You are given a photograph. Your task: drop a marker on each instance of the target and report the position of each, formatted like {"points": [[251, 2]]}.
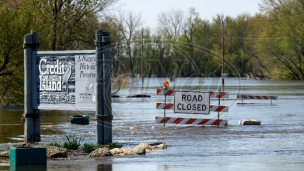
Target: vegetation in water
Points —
{"points": [[56, 144], [114, 145], [73, 142], [89, 147]]}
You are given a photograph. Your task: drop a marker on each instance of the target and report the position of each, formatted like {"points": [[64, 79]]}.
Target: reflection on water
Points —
{"points": [[104, 167], [27, 168], [277, 144], [96, 167], [12, 127]]}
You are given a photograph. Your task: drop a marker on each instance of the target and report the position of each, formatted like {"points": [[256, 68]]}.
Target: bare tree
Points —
{"points": [[129, 23], [189, 27], [171, 22]]}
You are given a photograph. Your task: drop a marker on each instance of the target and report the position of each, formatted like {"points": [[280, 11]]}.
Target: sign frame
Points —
{"points": [[187, 102]]}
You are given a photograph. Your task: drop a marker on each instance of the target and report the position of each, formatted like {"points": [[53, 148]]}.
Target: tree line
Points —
{"points": [[268, 45]]}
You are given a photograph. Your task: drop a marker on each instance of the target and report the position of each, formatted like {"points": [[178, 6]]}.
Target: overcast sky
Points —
{"points": [[208, 9]]}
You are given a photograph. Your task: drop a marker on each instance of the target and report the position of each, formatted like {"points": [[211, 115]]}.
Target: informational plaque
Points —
{"points": [[66, 80]]}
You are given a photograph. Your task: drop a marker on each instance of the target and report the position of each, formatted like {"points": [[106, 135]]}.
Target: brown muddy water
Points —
{"points": [[276, 144]]}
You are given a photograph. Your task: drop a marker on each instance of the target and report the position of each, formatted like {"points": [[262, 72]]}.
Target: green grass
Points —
{"points": [[73, 142], [114, 145], [56, 144], [88, 148]]}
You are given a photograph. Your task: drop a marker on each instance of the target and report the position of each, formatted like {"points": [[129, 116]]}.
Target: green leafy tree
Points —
{"points": [[66, 24], [285, 45], [61, 25], [13, 26]]}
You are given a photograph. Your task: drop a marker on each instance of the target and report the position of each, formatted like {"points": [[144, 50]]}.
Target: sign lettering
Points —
{"points": [[191, 102], [65, 79]]}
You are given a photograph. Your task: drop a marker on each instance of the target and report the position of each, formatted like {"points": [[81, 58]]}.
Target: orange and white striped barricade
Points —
{"points": [[255, 97], [213, 94], [218, 94], [170, 106], [192, 121], [160, 92], [215, 108]]}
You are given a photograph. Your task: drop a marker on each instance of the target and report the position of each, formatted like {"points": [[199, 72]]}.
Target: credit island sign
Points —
{"points": [[65, 80], [192, 102], [78, 80]]}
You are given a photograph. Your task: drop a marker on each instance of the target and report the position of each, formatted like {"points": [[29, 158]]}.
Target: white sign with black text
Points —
{"points": [[192, 102], [65, 80]]}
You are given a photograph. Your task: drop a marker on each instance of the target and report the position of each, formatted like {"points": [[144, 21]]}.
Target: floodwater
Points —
{"points": [[276, 144]]}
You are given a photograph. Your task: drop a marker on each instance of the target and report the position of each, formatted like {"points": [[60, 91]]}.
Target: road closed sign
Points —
{"points": [[192, 102]]}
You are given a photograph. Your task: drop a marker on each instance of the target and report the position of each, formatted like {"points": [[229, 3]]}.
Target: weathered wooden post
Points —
{"points": [[103, 95], [31, 116]]}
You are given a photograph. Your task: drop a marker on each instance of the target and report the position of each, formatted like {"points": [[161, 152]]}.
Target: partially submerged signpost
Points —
{"points": [[67, 80], [31, 115], [103, 96]]}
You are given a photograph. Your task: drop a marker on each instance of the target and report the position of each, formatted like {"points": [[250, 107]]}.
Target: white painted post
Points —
{"points": [[219, 103], [31, 116], [270, 101], [165, 109], [165, 90], [242, 100]]}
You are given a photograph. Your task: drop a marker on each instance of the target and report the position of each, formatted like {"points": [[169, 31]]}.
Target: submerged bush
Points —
{"points": [[55, 144], [73, 142], [88, 148], [114, 145]]}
